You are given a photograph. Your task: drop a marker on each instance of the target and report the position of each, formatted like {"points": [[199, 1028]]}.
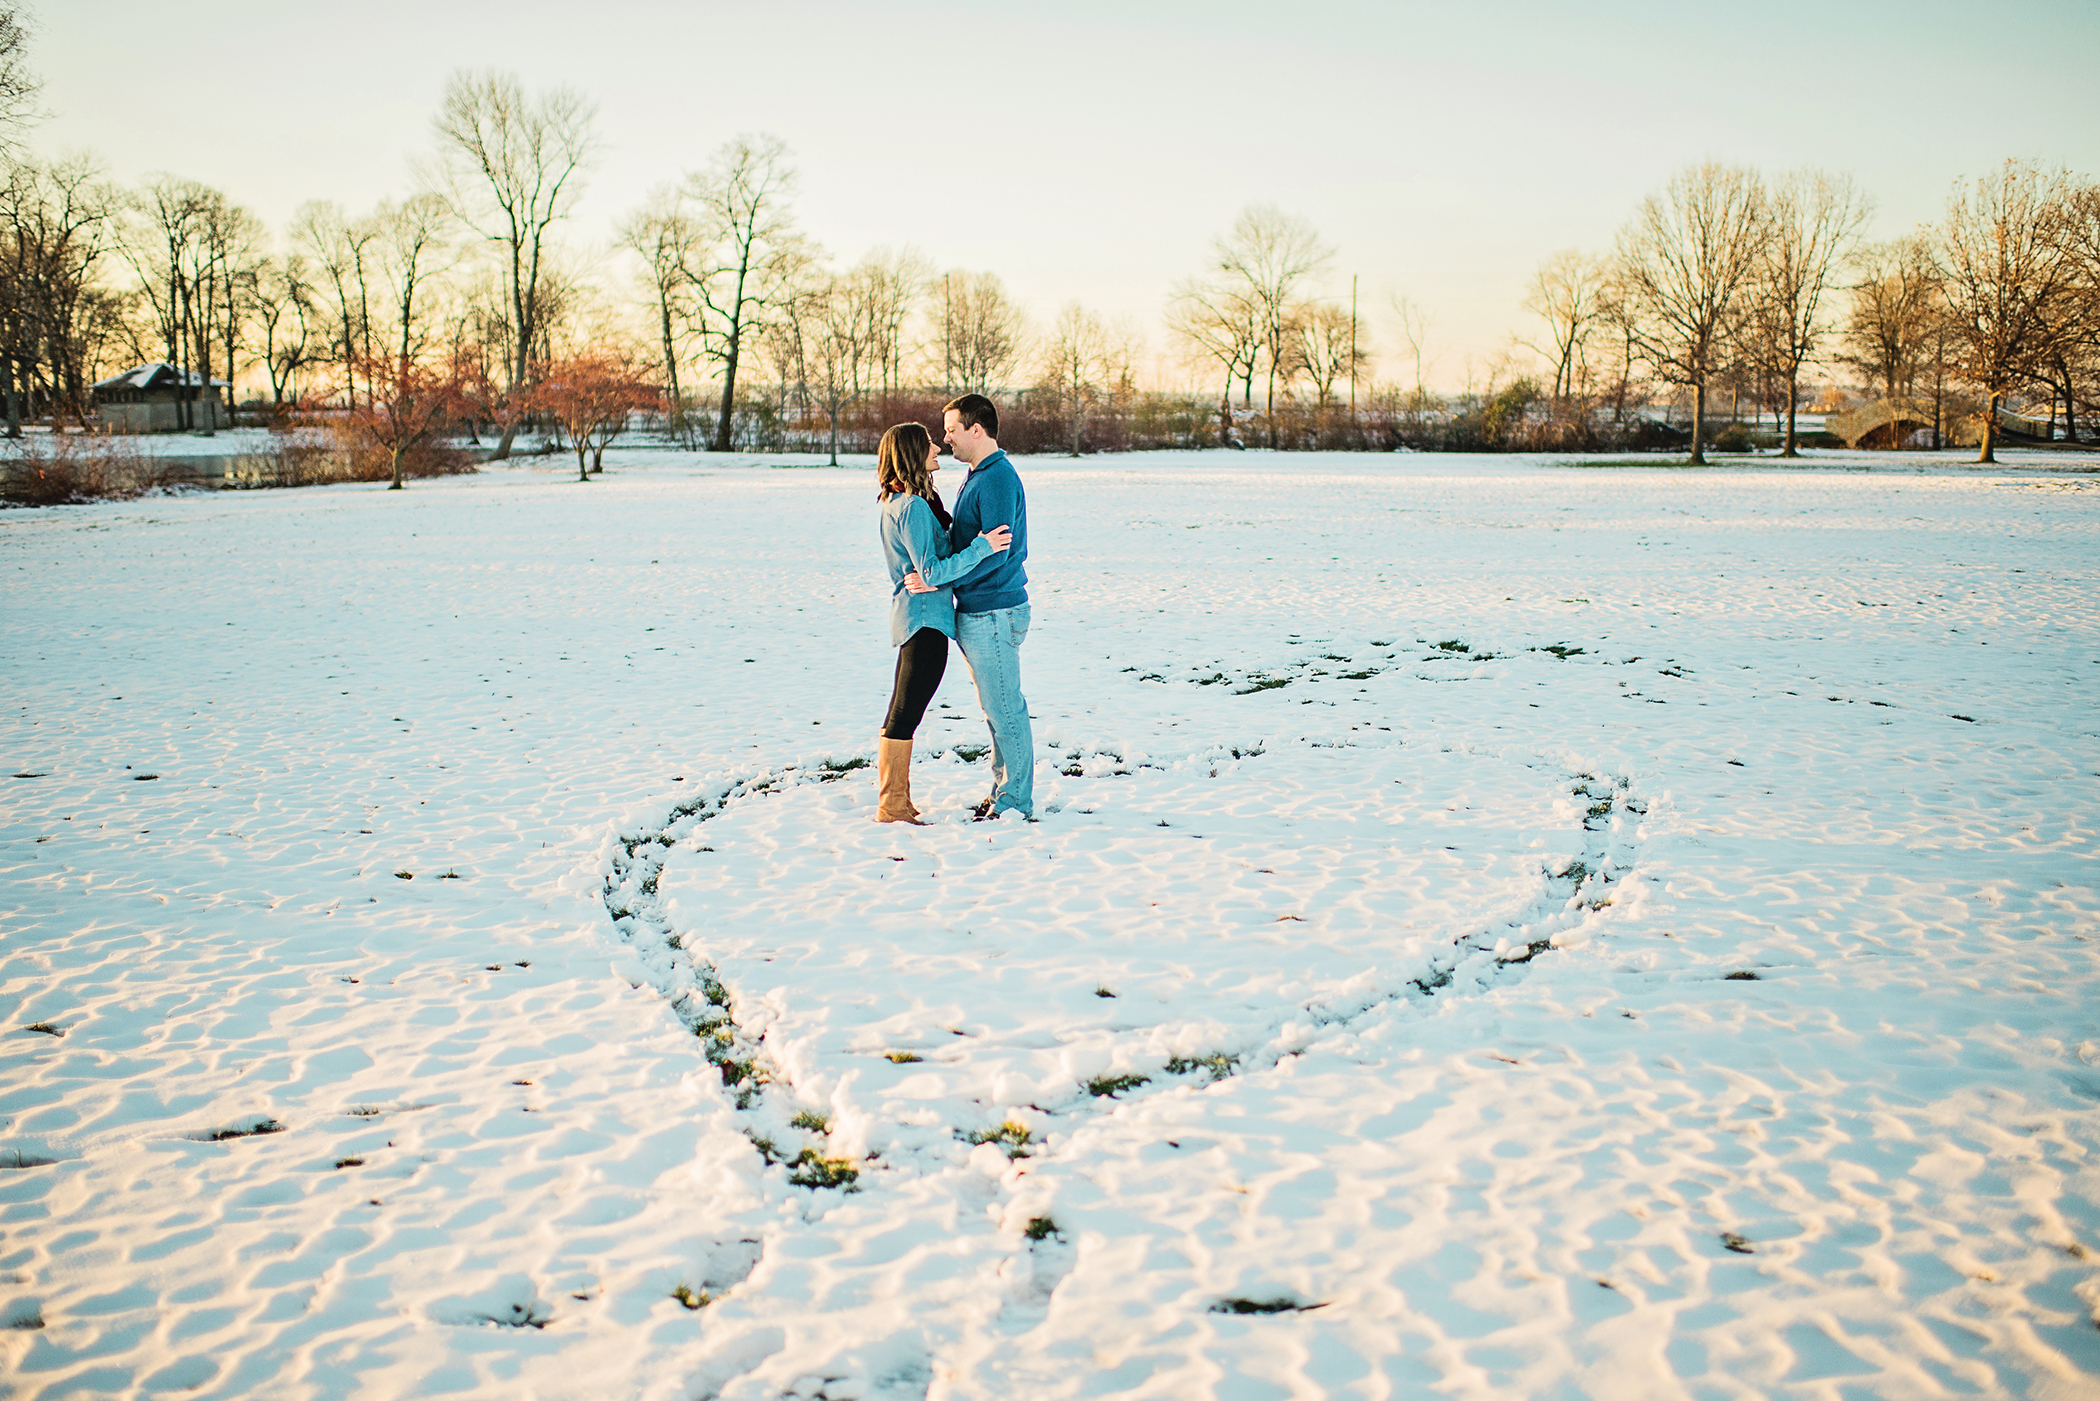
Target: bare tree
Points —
{"points": [[668, 240], [203, 252], [242, 268], [785, 345], [513, 168], [411, 251], [1894, 309], [341, 248], [190, 246], [1414, 335], [982, 334], [478, 351], [1076, 365], [285, 317], [753, 253], [1567, 293], [163, 224], [18, 83], [845, 317], [1685, 263], [2072, 367], [891, 283], [1322, 345], [1616, 320], [57, 229], [1217, 321], [229, 247], [1268, 253], [2005, 264], [1812, 222]]}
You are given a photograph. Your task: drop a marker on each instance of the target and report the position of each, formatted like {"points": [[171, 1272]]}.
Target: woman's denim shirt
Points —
{"points": [[913, 539]]}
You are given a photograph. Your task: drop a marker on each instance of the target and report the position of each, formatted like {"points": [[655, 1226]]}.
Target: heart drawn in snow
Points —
{"points": [[888, 992]]}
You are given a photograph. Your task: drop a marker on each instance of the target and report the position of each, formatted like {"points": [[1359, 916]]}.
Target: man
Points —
{"points": [[991, 601]]}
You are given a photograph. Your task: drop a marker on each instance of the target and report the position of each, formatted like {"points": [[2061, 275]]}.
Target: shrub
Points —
{"points": [[322, 448], [71, 467]]}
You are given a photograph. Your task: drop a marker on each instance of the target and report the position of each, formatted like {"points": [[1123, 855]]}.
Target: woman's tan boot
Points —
{"points": [[893, 782]]}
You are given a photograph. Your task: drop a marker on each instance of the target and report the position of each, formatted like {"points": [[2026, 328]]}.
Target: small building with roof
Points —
{"points": [[151, 398]]}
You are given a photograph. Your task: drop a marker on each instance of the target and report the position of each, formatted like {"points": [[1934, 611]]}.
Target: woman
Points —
{"points": [[915, 538]]}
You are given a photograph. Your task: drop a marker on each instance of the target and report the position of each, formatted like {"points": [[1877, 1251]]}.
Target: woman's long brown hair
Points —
{"points": [[900, 468]]}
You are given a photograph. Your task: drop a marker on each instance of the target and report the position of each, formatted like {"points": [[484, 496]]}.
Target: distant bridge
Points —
{"points": [[1888, 423]]}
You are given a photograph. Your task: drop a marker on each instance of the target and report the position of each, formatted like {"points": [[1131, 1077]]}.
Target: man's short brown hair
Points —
{"points": [[976, 411]]}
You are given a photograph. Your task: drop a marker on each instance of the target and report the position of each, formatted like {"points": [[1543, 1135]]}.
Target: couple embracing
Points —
{"points": [[956, 577]]}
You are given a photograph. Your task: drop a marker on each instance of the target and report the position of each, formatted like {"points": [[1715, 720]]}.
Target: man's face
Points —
{"points": [[966, 443]]}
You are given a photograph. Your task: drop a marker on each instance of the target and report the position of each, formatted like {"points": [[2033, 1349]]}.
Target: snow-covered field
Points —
{"points": [[1494, 930]]}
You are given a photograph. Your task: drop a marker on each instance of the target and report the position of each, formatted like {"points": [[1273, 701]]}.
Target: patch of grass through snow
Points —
{"points": [[812, 1169], [1011, 1137], [1219, 1065], [260, 1128]]}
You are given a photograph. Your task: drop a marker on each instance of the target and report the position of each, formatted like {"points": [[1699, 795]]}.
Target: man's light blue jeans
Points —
{"points": [[991, 644]]}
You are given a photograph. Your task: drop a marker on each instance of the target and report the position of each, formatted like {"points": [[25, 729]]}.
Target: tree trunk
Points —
{"points": [[733, 351], [1698, 458], [210, 400], [14, 397], [185, 412], [395, 485], [1987, 440], [727, 421], [671, 375], [583, 466], [1268, 403], [1793, 397], [834, 435]]}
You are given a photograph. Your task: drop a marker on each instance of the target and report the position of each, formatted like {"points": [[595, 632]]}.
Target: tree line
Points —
{"points": [[459, 310], [1723, 279]]}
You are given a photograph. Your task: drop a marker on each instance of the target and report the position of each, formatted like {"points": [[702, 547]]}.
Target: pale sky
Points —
{"points": [[1092, 150]]}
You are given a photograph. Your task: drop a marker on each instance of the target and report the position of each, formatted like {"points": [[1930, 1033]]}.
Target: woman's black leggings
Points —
{"points": [[920, 662]]}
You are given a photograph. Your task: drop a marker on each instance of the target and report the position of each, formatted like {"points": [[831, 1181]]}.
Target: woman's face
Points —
{"points": [[933, 458]]}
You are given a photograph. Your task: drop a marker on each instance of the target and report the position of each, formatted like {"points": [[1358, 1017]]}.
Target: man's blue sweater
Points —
{"points": [[991, 496]]}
